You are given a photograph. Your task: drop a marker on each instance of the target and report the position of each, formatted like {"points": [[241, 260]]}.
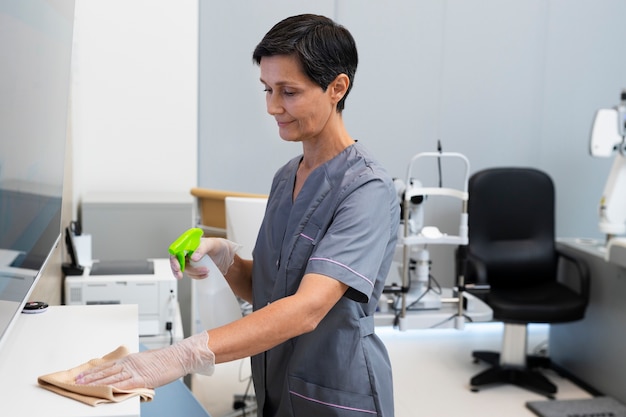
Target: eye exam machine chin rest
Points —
{"points": [[149, 284]]}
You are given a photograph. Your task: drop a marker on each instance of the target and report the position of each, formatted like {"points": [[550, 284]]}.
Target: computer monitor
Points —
{"points": [[35, 51]]}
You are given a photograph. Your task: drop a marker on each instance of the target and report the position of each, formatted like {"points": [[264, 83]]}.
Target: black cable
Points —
{"points": [[415, 302], [439, 149], [436, 290], [168, 327], [398, 311], [465, 316], [242, 405], [245, 396]]}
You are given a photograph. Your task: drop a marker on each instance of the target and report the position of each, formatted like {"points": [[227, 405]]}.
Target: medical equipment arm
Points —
{"points": [[607, 136]]}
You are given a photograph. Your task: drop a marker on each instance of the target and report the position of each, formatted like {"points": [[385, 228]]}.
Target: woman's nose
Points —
{"points": [[273, 105]]}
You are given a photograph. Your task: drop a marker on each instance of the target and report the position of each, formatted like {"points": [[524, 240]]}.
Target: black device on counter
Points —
{"points": [[33, 307], [72, 267]]}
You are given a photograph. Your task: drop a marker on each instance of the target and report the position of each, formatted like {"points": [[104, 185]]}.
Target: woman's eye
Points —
{"points": [[287, 93]]}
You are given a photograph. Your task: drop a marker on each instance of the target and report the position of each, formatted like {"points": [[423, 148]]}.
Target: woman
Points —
{"points": [[321, 257]]}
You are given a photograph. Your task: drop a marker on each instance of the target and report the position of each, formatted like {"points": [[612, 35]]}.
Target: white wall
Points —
{"points": [[135, 96]]}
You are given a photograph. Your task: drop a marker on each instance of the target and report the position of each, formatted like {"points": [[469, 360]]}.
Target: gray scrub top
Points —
{"points": [[343, 224]]}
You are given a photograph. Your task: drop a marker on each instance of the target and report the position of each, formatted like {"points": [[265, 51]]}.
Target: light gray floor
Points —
{"points": [[432, 369]]}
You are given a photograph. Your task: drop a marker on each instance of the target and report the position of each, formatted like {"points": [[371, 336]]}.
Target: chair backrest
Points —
{"points": [[211, 209], [244, 216], [511, 225]]}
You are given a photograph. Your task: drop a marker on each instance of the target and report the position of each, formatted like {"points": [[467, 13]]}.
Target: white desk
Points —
{"points": [[476, 311], [62, 338]]}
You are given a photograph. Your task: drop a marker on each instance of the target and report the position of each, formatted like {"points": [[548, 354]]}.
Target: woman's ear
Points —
{"points": [[339, 87]]}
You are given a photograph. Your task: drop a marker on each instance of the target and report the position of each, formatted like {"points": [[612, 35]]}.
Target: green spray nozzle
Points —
{"points": [[185, 245]]}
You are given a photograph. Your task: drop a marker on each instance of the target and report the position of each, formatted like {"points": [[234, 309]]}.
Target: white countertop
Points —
{"points": [[61, 338]]}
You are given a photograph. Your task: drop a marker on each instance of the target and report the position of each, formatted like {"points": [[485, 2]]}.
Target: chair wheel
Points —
{"points": [[474, 389], [476, 361]]}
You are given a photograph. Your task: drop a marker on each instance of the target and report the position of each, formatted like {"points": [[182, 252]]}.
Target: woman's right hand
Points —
{"points": [[221, 251]]}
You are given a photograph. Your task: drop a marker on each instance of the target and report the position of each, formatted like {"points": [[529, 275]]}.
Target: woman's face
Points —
{"points": [[301, 108]]}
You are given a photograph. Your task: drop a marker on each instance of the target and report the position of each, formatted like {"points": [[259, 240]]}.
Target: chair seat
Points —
{"points": [[549, 302]]}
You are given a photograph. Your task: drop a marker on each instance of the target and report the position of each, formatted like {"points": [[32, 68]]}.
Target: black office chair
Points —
{"points": [[512, 250]]}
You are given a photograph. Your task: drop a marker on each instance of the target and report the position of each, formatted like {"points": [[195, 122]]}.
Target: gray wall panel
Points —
{"points": [[513, 82]]}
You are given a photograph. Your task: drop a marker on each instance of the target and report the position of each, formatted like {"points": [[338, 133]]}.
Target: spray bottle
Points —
{"points": [[185, 245], [213, 302]]}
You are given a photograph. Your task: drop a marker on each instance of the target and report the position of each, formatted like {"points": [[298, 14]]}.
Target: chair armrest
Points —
{"points": [[474, 268], [479, 269], [583, 272]]}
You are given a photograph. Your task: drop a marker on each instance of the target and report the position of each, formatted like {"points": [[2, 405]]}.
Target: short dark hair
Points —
{"points": [[324, 48]]}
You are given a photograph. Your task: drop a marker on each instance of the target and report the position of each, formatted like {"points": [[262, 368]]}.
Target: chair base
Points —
{"points": [[527, 377], [493, 358]]}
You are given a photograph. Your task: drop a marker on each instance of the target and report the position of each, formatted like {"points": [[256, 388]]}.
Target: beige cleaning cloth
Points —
{"points": [[63, 383]]}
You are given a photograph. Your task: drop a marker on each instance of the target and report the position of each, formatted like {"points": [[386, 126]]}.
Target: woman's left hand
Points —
{"points": [[154, 368]]}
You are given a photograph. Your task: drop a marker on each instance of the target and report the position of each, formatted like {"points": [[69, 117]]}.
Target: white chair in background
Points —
{"points": [[244, 216], [243, 220], [211, 209]]}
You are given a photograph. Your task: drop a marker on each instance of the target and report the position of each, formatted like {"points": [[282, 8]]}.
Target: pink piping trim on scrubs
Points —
{"points": [[345, 266], [306, 237], [332, 405]]}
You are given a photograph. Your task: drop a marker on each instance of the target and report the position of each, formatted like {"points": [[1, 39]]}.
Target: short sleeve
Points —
{"points": [[353, 247]]}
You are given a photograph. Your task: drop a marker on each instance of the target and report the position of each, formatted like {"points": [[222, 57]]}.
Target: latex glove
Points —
{"points": [[154, 368], [221, 251]]}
